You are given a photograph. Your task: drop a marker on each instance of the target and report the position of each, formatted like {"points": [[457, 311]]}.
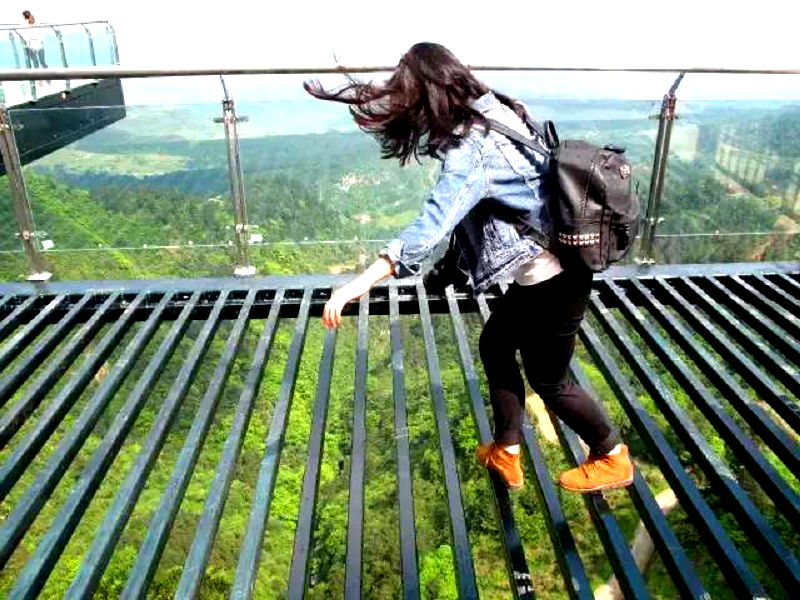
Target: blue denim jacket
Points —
{"points": [[492, 193]]}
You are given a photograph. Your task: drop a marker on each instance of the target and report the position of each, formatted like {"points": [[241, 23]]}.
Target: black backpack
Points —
{"points": [[594, 209]]}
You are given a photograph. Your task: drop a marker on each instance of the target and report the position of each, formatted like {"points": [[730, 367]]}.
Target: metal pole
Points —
{"points": [[114, 47], [19, 198], [652, 218], [63, 54], [91, 45], [243, 267]]}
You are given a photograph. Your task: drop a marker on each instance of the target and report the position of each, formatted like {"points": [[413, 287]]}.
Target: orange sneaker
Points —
{"points": [[600, 473], [507, 465]]}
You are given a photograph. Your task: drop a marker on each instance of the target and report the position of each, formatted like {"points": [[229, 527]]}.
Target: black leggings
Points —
{"points": [[541, 321]]}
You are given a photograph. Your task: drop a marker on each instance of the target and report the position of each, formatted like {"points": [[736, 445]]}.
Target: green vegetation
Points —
{"points": [[111, 203]]}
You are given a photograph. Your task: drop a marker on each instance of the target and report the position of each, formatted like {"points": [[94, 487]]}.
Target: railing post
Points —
{"points": [[652, 218], [19, 198], [241, 227], [63, 54], [114, 48], [91, 44]]}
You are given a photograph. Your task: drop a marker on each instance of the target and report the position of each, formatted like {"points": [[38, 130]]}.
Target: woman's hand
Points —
{"points": [[332, 313]]}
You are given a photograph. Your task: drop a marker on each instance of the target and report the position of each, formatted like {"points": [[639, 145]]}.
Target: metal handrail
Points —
{"points": [[44, 25], [136, 72]]}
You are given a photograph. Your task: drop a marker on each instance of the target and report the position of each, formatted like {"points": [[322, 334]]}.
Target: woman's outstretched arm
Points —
{"points": [[332, 313]]}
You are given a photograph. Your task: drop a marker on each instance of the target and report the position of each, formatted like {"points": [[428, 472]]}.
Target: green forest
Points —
{"points": [[120, 206]]}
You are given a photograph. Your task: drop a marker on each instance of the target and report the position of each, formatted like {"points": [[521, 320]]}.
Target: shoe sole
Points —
{"points": [[599, 488]]}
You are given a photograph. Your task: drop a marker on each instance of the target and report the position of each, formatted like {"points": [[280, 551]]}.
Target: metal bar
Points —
{"points": [[13, 319], [405, 498], [326, 281], [22, 455], [789, 283], [114, 45], [247, 567], [783, 319], [304, 533], [734, 568], [674, 557], [777, 294], [11, 383], [200, 552], [462, 555], [241, 227], [153, 545], [91, 44], [358, 453], [783, 371], [766, 540], [13, 347], [129, 73], [16, 27], [19, 197], [775, 437], [784, 497], [52, 544], [13, 419], [14, 527], [788, 410], [117, 516], [660, 157], [68, 84], [517, 566]]}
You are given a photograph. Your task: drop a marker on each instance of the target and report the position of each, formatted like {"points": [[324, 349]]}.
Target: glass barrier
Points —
{"points": [[68, 45], [78, 46], [149, 195], [732, 191]]}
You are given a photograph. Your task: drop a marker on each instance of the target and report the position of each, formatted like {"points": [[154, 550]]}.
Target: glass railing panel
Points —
{"points": [[153, 184], [52, 48], [11, 57], [104, 43], [151, 192], [732, 191], [9, 241], [77, 46], [11, 53]]}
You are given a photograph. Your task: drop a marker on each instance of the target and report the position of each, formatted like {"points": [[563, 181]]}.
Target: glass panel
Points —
{"points": [[104, 43], [52, 48], [10, 50], [12, 57], [8, 230], [134, 195], [76, 45], [733, 178]]}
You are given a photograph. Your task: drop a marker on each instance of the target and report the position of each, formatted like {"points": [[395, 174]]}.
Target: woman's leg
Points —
{"points": [[33, 57], [498, 349], [546, 351], [41, 58]]}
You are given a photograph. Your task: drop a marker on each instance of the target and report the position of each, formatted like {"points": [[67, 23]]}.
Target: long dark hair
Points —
{"points": [[422, 109]]}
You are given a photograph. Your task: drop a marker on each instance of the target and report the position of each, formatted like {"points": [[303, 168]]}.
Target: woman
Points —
{"points": [[492, 194], [34, 49]]}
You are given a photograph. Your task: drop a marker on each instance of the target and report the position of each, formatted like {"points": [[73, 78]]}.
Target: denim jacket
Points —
{"points": [[492, 193]]}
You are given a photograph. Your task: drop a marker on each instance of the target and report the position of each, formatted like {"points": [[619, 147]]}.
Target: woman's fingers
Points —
{"points": [[332, 313]]}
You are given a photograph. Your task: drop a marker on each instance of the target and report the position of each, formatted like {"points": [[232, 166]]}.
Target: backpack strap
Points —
{"points": [[548, 135]]}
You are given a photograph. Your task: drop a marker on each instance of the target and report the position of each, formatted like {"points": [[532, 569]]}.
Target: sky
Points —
{"points": [[699, 33]]}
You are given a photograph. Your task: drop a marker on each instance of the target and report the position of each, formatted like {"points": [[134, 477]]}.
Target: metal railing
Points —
{"points": [[745, 304], [241, 226]]}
